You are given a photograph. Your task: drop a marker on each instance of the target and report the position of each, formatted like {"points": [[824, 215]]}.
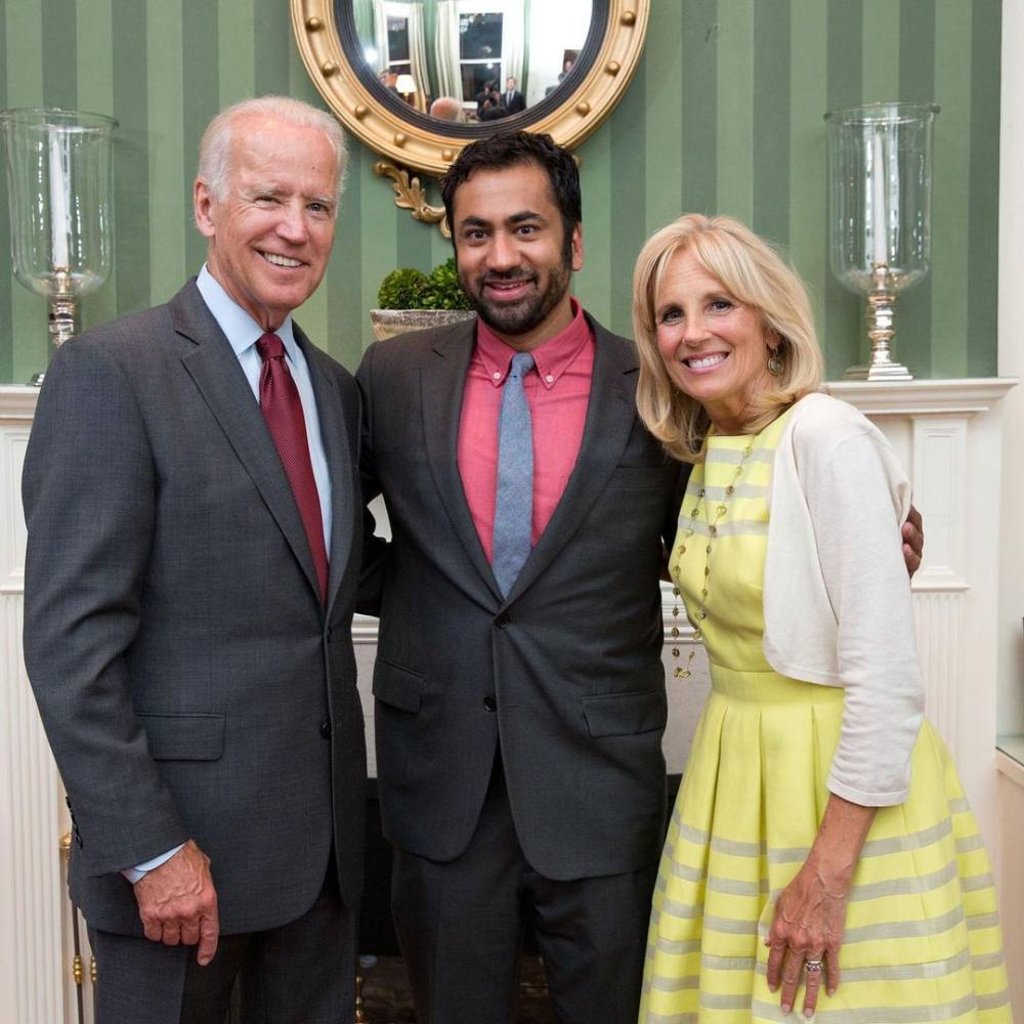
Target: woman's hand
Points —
{"points": [[807, 929], [810, 915]]}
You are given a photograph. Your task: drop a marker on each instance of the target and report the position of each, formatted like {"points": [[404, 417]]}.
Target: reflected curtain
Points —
{"points": [[362, 12], [446, 49], [513, 43], [418, 53], [380, 32]]}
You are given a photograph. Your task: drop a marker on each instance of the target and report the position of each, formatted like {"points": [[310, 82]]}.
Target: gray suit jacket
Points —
{"points": [[567, 669], [190, 682]]}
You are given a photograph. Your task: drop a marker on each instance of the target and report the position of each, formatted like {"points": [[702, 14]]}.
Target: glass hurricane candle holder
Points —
{"points": [[880, 193], [61, 199]]}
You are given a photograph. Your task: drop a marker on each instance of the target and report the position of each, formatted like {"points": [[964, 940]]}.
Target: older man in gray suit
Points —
{"points": [[193, 548]]}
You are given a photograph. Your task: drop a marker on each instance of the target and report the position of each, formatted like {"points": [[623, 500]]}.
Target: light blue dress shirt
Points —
{"points": [[242, 333]]}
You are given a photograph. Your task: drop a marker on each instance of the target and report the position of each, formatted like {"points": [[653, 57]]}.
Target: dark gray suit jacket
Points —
{"points": [[567, 669], [190, 682]]}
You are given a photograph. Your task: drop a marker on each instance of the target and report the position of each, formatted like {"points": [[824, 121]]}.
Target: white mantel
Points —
{"points": [[949, 436]]}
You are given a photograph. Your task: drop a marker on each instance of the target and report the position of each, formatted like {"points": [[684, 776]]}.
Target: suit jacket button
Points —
{"points": [[325, 728], [503, 620], [490, 704], [329, 634]]}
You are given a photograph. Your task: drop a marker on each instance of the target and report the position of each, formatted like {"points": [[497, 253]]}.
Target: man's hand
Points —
{"points": [[178, 903], [913, 540]]}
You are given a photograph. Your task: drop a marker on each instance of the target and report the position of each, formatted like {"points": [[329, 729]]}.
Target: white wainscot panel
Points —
{"points": [[32, 961], [948, 435]]}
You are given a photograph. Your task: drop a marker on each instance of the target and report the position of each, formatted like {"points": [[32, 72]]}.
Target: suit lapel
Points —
{"points": [[611, 414], [219, 377], [442, 382], [337, 448]]}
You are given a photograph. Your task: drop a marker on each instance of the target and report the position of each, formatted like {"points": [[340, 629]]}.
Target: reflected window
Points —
{"points": [[480, 53], [398, 45]]}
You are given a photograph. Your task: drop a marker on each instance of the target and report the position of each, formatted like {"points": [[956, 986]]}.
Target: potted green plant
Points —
{"points": [[410, 300]]}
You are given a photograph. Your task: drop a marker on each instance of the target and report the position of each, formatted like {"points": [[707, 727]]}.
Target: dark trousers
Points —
{"points": [[300, 973], [460, 925]]}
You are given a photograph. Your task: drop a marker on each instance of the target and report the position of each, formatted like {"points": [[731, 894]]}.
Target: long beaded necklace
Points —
{"points": [[684, 671]]}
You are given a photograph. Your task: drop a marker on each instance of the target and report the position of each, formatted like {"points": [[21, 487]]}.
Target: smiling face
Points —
{"points": [[714, 348], [513, 260], [270, 235]]}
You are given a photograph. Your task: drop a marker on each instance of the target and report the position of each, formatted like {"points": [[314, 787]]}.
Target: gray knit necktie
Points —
{"points": [[513, 513]]}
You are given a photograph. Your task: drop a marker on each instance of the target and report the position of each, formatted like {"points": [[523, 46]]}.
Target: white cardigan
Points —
{"points": [[837, 601]]}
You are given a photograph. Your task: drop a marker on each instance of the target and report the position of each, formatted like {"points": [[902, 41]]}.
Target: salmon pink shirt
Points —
{"points": [[557, 391]]}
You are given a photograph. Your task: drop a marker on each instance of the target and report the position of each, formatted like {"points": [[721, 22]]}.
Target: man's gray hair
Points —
{"points": [[447, 108], [215, 146]]}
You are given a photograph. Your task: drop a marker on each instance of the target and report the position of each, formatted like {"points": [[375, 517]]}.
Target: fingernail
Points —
{"points": [[786, 1008]]}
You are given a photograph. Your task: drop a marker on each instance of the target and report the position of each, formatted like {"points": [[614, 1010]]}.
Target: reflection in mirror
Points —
{"points": [[470, 61], [381, 81]]}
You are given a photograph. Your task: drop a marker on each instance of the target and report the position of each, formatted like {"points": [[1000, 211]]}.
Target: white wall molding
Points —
{"points": [[32, 961], [1007, 514]]}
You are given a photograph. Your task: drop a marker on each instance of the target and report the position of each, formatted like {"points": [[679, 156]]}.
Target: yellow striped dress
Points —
{"points": [[922, 938]]}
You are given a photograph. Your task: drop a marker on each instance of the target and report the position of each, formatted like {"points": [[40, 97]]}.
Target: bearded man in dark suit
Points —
{"points": [[194, 537], [519, 710]]}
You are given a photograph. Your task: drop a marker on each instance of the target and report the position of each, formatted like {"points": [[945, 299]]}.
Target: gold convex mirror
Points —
{"points": [[381, 65]]}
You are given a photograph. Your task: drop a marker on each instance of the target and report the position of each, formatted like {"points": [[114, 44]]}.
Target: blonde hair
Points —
{"points": [[756, 276], [215, 145]]}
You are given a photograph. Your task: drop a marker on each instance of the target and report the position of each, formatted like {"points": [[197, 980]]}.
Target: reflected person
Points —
{"points": [[512, 99], [447, 108]]}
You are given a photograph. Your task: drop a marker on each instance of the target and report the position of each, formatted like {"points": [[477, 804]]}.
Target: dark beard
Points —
{"points": [[520, 317]]}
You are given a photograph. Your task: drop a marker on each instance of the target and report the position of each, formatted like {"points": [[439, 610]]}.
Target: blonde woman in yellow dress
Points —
{"points": [[821, 857]]}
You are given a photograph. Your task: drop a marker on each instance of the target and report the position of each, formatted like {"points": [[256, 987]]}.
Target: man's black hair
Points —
{"points": [[510, 149]]}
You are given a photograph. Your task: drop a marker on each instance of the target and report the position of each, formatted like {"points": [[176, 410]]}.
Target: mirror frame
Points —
{"points": [[606, 66]]}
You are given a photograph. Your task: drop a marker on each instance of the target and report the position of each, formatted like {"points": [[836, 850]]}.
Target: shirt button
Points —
{"points": [[490, 704], [496, 375], [325, 728], [503, 620], [550, 378]]}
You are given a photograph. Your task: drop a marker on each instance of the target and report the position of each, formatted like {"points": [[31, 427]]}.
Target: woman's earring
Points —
{"points": [[775, 366]]}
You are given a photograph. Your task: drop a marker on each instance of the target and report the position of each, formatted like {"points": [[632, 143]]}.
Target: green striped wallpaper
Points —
{"points": [[725, 114]]}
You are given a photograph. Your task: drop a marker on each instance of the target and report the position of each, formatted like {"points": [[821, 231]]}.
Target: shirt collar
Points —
{"points": [[552, 358], [238, 326]]}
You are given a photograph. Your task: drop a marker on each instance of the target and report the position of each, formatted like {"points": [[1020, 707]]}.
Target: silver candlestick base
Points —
{"points": [[62, 322], [881, 315]]}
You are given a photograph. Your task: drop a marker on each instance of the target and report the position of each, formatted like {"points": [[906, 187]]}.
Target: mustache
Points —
{"points": [[506, 276]]}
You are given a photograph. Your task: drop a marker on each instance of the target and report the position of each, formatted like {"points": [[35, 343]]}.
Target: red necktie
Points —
{"points": [[282, 409]]}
